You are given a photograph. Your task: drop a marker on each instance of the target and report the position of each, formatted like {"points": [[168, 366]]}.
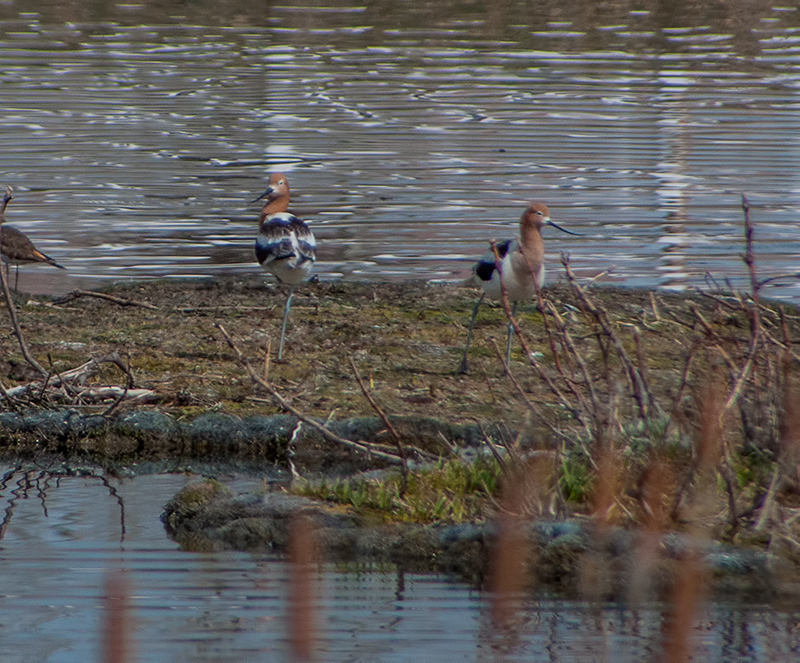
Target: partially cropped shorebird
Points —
{"points": [[520, 266], [15, 247], [285, 245]]}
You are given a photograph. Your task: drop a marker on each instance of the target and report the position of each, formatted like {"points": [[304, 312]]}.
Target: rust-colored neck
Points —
{"points": [[280, 203], [531, 244]]}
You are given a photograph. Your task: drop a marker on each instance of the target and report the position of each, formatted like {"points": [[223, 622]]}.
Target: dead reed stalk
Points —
{"points": [[508, 575], [653, 521], [302, 590], [395, 436], [701, 506], [685, 602], [117, 646]]}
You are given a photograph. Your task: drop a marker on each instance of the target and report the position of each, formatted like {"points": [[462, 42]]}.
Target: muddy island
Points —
{"points": [[625, 416]]}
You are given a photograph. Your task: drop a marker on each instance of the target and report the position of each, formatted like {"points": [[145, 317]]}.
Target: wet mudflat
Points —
{"points": [[405, 340], [617, 376]]}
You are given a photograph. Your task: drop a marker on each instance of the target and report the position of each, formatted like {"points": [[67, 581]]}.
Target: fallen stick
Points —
{"points": [[113, 391], [286, 405], [75, 294], [77, 375], [400, 451]]}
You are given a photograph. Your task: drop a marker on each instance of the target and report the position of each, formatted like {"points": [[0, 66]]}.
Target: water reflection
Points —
{"points": [[70, 530]]}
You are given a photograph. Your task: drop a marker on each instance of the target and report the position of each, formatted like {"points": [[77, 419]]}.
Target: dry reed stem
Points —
{"points": [[395, 436], [601, 316], [654, 307], [526, 348], [653, 520], [120, 301], [642, 361], [686, 598], [752, 309], [789, 450], [508, 575], [678, 398], [765, 515], [302, 626], [749, 257], [532, 407], [709, 438], [116, 619], [688, 590], [744, 373], [540, 301], [493, 448], [569, 344], [594, 576]]}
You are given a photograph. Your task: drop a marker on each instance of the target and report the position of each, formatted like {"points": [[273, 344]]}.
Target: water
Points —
{"points": [[63, 536], [135, 136]]}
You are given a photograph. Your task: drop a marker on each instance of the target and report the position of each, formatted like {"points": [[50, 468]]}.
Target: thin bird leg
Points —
{"points": [[285, 318], [510, 333], [8, 277], [16, 280], [463, 369]]}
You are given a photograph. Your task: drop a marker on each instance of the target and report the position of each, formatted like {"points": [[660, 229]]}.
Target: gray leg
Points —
{"points": [[285, 318], [16, 280], [464, 368], [510, 333]]}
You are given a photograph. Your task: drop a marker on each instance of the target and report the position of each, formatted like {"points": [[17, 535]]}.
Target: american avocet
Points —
{"points": [[285, 245], [15, 246], [521, 268]]}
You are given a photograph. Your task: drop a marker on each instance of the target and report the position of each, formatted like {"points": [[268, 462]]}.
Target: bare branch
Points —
{"points": [[400, 451], [75, 294], [286, 405]]}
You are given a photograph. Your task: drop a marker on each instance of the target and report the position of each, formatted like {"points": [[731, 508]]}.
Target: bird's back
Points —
{"points": [[286, 247], [17, 248]]}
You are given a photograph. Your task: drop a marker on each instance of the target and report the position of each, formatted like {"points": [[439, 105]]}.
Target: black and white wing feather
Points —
{"points": [[286, 247]]}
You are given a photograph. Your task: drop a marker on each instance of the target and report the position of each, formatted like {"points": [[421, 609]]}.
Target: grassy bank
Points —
{"points": [[630, 405]]}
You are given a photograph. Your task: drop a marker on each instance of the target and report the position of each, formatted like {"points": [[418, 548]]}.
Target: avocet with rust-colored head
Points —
{"points": [[518, 263], [285, 245]]}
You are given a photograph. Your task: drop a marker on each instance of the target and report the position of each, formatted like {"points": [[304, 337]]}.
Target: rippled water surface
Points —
{"points": [[61, 537], [135, 134]]}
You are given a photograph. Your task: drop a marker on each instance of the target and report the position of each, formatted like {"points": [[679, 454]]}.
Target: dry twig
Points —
{"points": [[286, 405], [395, 436], [75, 294]]}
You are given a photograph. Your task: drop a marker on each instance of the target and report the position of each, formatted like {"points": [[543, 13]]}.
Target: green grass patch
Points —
{"points": [[452, 491]]}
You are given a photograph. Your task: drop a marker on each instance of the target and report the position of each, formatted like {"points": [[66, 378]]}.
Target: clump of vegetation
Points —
{"points": [[455, 490]]}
